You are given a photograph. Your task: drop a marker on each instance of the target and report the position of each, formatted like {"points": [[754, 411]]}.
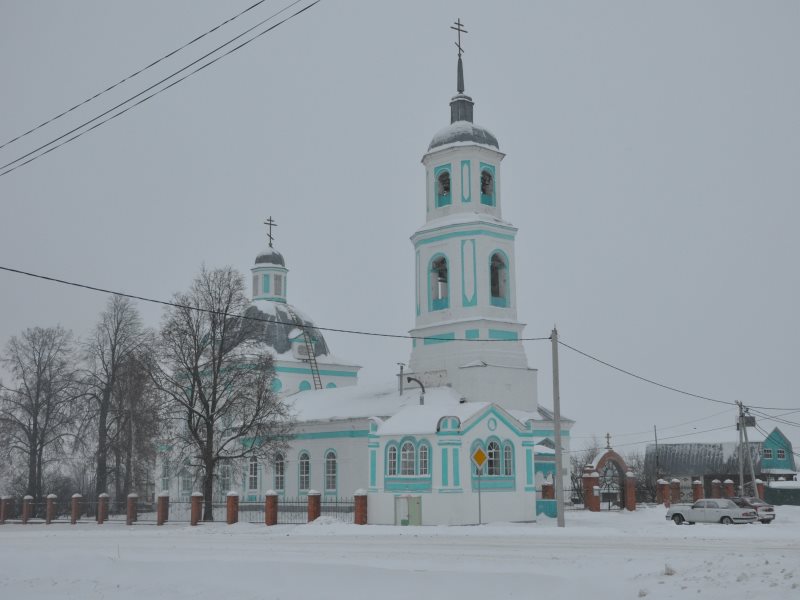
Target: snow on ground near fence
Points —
{"points": [[600, 555]]}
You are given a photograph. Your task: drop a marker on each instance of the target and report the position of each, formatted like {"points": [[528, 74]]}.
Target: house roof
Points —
{"points": [[699, 458]]}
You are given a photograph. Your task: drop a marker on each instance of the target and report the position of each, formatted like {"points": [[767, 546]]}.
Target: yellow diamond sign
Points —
{"points": [[479, 457]]}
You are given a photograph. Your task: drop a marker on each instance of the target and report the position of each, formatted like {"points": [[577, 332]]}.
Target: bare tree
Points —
{"points": [[134, 423], [115, 338], [37, 411], [645, 476], [579, 459], [217, 379]]}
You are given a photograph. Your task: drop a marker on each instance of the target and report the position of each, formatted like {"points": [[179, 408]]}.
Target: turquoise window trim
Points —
{"points": [[265, 283], [473, 299], [466, 181], [439, 338], [417, 447], [442, 200], [277, 384], [502, 418], [444, 467], [502, 334], [280, 489], [304, 386], [467, 233], [373, 468], [545, 468], [501, 301], [472, 334], [330, 385], [456, 468], [334, 491], [441, 303], [300, 488], [489, 199]]}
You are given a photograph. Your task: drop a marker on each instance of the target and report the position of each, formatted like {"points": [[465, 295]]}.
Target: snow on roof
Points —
{"points": [[439, 402], [785, 485], [356, 401], [540, 449], [464, 132]]}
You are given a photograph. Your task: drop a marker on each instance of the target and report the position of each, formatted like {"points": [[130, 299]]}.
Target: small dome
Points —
{"points": [[270, 256], [463, 131], [278, 327]]}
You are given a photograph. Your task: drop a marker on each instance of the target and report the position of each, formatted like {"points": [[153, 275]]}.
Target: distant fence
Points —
{"points": [[183, 510]]}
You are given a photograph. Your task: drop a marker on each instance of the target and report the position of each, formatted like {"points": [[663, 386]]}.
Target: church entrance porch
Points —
{"points": [[608, 484]]}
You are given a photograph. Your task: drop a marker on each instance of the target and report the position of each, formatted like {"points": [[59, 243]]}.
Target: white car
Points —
{"points": [[717, 510]]}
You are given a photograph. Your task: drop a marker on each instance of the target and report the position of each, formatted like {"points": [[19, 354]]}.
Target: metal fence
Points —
{"points": [[342, 509]]}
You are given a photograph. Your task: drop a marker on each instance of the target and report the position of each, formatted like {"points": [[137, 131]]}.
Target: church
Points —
{"points": [[469, 392]]}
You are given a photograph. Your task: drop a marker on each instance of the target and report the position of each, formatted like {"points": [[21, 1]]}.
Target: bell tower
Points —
{"points": [[465, 293]]}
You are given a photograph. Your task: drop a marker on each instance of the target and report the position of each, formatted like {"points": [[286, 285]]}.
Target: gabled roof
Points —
{"points": [[698, 459]]}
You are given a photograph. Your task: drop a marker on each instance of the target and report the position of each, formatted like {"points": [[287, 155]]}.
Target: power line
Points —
{"points": [[645, 379], [780, 442], [672, 437], [245, 317], [132, 75], [146, 98], [619, 435]]}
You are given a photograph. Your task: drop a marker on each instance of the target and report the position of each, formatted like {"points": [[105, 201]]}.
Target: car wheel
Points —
{"points": [[691, 522], [726, 521], [677, 519], [767, 521]]}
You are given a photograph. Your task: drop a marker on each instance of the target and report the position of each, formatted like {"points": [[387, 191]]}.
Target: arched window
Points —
{"points": [[423, 460], [508, 460], [252, 474], [443, 197], [304, 471], [280, 472], [407, 459], [487, 187], [439, 288], [391, 461], [304, 385], [165, 473], [330, 471], [493, 462], [498, 278]]}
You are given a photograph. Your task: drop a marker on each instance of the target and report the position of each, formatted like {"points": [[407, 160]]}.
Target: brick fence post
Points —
{"points": [[162, 508], [360, 515], [314, 505], [760, 488], [102, 508], [697, 490], [675, 491], [3, 509], [548, 491], [50, 511], [232, 506], [716, 489], [630, 490], [130, 513], [197, 508], [591, 500], [271, 508], [75, 508], [729, 493], [664, 491], [26, 508]]}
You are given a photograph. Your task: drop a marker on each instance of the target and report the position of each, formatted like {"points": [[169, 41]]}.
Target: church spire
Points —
{"points": [[461, 104]]}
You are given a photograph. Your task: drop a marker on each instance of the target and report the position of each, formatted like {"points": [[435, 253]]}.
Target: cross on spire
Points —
{"points": [[458, 26], [608, 441], [270, 223]]}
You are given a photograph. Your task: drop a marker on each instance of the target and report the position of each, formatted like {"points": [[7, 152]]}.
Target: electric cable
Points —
{"points": [[136, 73], [157, 92], [250, 318], [645, 379]]}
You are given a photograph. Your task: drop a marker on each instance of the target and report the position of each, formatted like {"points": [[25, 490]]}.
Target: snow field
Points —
{"points": [[605, 555]]}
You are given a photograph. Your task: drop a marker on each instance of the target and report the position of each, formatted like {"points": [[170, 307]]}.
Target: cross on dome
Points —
{"points": [[270, 223]]}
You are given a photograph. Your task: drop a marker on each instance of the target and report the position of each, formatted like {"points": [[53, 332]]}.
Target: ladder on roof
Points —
{"points": [[312, 359]]}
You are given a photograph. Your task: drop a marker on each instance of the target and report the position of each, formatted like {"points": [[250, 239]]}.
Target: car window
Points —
{"points": [[711, 504], [727, 504], [699, 504]]}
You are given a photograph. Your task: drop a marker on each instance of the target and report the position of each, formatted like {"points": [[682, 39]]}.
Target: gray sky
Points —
{"points": [[653, 169]]}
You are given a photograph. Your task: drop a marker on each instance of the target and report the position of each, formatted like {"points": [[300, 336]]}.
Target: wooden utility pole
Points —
{"points": [[559, 482]]}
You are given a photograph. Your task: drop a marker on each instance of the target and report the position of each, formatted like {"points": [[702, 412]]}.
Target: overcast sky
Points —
{"points": [[653, 170]]}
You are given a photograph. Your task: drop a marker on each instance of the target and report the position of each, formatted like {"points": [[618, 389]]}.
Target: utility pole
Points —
{"points": [[559, 482], [743, 421], [740, 429], [658, 468]]}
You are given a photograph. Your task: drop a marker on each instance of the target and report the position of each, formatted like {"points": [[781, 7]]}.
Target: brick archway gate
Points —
{"points": [[608, 483]]}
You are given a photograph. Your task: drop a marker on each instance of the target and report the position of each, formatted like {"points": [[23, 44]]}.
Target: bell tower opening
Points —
{"points": [[439, 288]]}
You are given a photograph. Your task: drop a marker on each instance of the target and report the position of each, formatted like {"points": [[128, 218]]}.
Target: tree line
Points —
{"points": [[91, 415]]}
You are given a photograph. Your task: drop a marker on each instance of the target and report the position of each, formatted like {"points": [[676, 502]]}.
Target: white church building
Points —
{"points": [[469, 385]]}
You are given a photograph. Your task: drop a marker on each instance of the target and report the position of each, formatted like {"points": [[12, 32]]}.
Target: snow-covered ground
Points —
{"points": [[605, 555]]}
